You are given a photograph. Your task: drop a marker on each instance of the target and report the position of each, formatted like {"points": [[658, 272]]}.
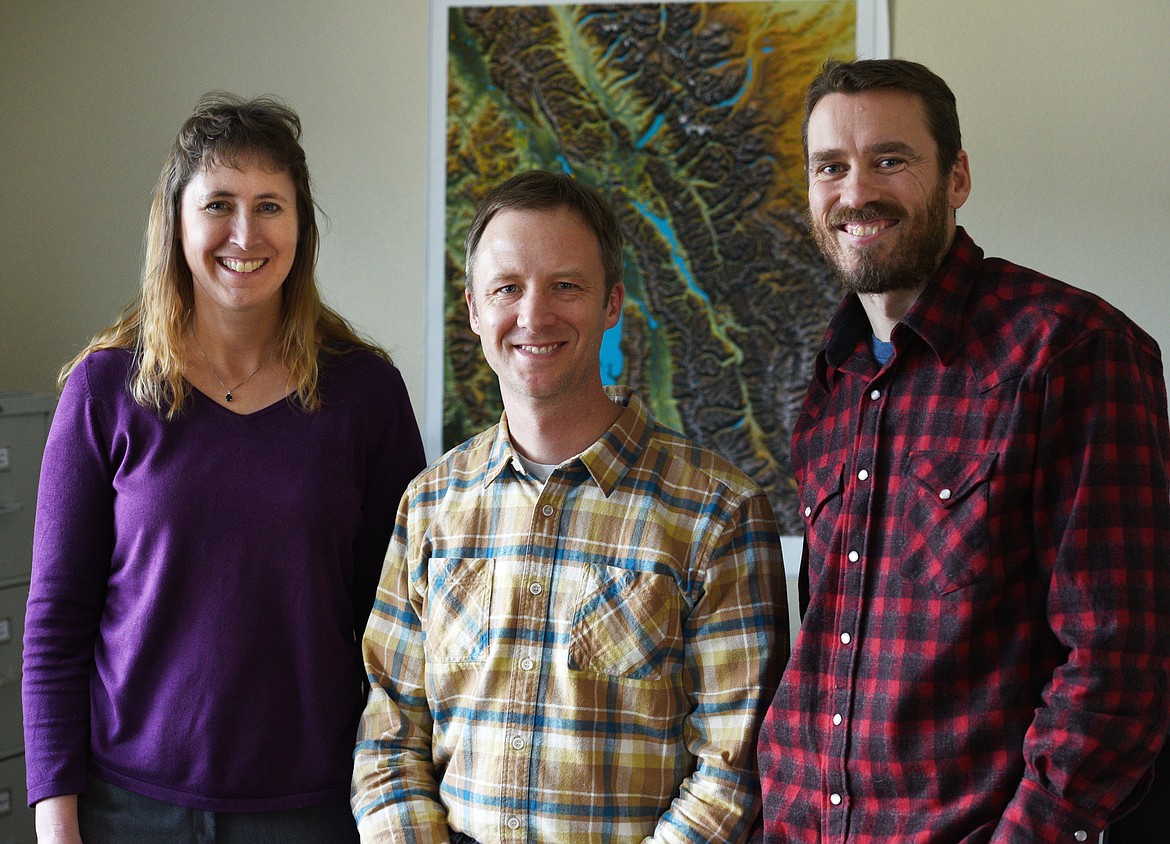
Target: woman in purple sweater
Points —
{"points": [[217, 493]]}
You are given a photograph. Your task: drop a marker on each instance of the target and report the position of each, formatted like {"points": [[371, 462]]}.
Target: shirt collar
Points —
{"points": [[500, 453], [606, 461], [937, 315], [611, 457]]}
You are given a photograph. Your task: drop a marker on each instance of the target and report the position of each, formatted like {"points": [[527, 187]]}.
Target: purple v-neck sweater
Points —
{"points": [[200, 587]]}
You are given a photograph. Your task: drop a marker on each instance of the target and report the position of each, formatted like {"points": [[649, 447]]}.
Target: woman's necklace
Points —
{"points": [[227, 390]]}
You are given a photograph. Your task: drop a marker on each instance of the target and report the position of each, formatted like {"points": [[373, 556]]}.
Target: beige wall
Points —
{"points": [[1065, 106]]}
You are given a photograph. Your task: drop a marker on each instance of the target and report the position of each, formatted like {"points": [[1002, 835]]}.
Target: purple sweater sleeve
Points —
{"points": [[391, 466], [73, 543]]}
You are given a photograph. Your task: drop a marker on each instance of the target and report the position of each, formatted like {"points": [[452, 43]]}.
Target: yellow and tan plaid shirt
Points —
{"points": [[583, 660]]}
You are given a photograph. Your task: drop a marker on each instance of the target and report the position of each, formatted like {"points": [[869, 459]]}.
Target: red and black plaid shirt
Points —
{"points": [[985, 654]]}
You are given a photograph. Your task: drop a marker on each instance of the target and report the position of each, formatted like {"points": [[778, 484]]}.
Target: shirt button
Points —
{"points": [[835, 799], [854, 556], [846, 638], [527, 664], [547, 509], [513, 823], [1081, 835], [837, 719], [862, 475], [875, 395], [945, 495], [518, 743], [807, 512], [535, 588]]}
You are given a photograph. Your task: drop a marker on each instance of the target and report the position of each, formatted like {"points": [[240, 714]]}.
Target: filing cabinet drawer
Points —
{"points": [[24, 423], [12, 604], [17, 820]]}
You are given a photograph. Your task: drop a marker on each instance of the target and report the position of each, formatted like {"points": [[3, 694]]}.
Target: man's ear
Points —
{"points": [[472, 313], [959, 181], [613, 308]]}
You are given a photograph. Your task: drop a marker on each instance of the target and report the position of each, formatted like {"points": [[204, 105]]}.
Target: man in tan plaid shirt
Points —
{"points": [[582, 614]]}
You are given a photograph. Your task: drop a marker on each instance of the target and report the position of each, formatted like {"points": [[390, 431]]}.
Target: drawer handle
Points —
{"points": [[8, 509]]}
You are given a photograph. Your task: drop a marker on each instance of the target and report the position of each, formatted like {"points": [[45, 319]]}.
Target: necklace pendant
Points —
{"points": [[227, 390]]}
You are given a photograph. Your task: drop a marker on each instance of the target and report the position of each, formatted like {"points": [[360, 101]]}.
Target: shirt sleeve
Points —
{"points": [[1102, 532], [395, 792], [72, 548], [736, 647]]}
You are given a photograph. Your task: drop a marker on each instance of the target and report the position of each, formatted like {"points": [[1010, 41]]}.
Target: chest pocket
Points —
{"points": [[459, 602], [943, 518], [627, 624], [820, 508]]}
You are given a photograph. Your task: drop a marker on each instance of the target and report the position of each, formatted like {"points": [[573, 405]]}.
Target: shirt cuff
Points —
{"points": [[1036, 816]]}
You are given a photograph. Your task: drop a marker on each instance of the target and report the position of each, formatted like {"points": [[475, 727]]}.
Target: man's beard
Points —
{"points": [[916, 255]]}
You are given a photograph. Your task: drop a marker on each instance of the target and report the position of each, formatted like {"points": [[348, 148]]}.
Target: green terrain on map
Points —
{"points": [[687, 117]]}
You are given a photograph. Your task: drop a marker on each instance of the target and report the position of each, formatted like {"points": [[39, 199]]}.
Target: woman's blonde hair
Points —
{"points": [[224, 130]]}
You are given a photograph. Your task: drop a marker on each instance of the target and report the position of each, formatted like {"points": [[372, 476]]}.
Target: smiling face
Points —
{"points": [[239, 234], [539, 306], [879, 207]]}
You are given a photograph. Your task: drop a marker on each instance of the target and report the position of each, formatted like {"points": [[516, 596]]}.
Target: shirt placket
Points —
{"points": [[525, 675], [858, 492]]}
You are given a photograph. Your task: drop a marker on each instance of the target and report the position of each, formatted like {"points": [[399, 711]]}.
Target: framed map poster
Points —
{"points": [[687, 117]]}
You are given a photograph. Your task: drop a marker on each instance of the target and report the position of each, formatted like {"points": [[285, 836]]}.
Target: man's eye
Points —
{"points": [[889, 163], [830, 170]]}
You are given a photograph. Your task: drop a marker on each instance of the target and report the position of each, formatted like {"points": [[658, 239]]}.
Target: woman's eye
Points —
{"points": [[269, 208]]}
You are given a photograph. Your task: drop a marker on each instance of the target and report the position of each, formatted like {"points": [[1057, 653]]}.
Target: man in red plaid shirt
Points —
{"points": [[982, 460]]}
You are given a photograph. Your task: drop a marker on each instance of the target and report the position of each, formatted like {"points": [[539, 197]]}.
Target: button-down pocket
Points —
{"points": [[944, 518], [459, 602], [627, 624], [820, 508]]}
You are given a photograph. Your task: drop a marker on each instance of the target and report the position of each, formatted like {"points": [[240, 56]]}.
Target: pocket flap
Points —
{"points": [[949, 476], [820, 486]]}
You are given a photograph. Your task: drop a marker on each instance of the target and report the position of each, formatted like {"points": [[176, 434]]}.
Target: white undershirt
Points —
{"points": [[541, 471]]}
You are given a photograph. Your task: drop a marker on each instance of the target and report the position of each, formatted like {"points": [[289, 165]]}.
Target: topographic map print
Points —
{"points": [[687, 117]]}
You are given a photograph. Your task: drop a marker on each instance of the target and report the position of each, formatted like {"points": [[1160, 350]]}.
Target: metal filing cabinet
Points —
{"points": [[24, 423]]}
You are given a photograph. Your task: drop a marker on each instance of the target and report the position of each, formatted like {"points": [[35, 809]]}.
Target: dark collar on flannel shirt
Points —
{"points": [[937, 316]]}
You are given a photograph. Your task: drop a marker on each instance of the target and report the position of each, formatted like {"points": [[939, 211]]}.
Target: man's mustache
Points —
{"points": [[867, 213]]}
